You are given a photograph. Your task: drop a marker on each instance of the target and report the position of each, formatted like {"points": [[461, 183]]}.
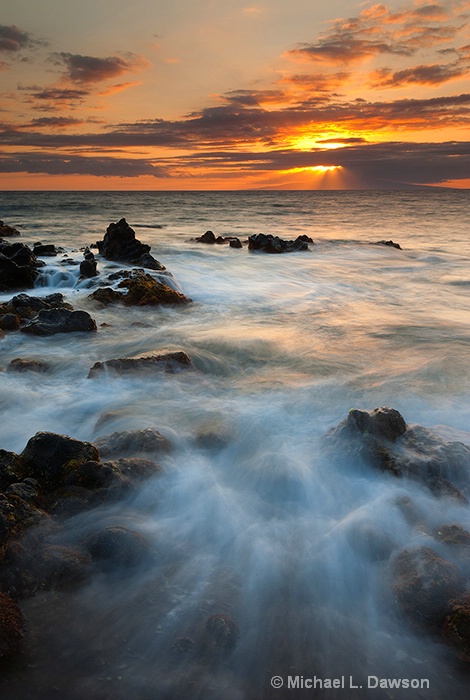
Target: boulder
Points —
{"points": [[220, 636], [423, 585], [8, 231], [117, 547], [106, 296], [18, 266], [207, 237], [21, 364], [26, 307], [88, 265], [108, 480], [453, 535], [381, 439], [144, 290], [11, 626], [47, 250], [10, 468], [457, 627], [235, 243], [391, 244], [9, 322], [51, 321], [132, 442], [273, 244], [170, 362], [120, 244]]}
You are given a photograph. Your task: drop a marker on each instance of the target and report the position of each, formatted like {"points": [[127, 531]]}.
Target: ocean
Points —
{"points": [[260, 527]]}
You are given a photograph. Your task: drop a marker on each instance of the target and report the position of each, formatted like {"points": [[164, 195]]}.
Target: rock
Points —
{"points": [[220, 636], [391, 244], [21, 364], [207, 237], [51, 321], [27, 490], [110, 480], [120, 244], [9, 322], [106, 295], [49, 457], [46, 250], [235, 243], [10, 468], [170, 362], [144, 290], [381, 439], [116, 547], [133, 442], [17, 515], [27, 307], [18, 266], [183, 645], [423, 584], [454, 535], [457, 627], [11, 626], [88, 265], [273, 244], [8, 231]]}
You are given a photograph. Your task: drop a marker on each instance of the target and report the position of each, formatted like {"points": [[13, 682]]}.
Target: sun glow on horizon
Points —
{"points": [[319, 169]]}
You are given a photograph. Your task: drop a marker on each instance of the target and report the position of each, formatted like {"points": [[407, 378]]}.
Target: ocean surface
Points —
{"points": [[260, 527]]}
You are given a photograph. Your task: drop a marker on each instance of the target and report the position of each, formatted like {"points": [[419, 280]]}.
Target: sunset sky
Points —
{"points": [[224, 94]]}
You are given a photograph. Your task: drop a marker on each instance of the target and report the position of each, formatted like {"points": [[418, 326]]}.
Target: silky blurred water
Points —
{"points": [[262, 528]]}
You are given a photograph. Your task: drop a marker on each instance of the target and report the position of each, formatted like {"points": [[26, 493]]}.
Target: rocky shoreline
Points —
{"points": [[57, 477]]}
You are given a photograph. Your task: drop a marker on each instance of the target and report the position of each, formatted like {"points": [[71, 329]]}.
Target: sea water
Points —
{"points": [[261, 527]]}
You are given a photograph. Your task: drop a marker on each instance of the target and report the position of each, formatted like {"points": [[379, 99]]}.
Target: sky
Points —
{"points": [[234, 94]]}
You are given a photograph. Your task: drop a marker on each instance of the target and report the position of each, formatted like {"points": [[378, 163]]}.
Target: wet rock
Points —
{"points": [[457, 627], [133, 442], [21, 364], [9, 322], [26, 307], [51, 321], [183, 646], [207, 237], [10, 468], [391, 244], [8, 231], [16, 516], [423, 584], [116, 547], [144, 290], [106, 296], [381, 439], [235, 243], [88, 265], [120, 244], [47, 250], [109, 480], [11, 626], [27, 490], [273, 244], [170, 362], [18, 266], [453, 535], [49, 457], [220, 636]]}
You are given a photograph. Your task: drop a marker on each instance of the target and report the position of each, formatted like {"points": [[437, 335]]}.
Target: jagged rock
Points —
{"points": [[170, 362], [9, 322], [381, 439], [18, 266], [120, 244], [116, 547], [106, 295], [8, 231], [457, 627], [16, 516], [51, 321], [47, 250], [88, 265], [391, 244], [49, 457], [26, 307], [10, 468], [423, 585], [144, 290], [133, 442], [20, 364], [11, 626], [207, 237], [273, 244]]}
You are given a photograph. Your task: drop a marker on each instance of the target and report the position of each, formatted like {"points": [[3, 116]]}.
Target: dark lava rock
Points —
{"points": [[183, 645], [120, 244], [20, 364], [423, 585], [454, 535], [49, 457], [381, 439], [391, 244], [170, 362], [11, 626], [273, 244], [88, 265], [8, 231], [457, 627], [132, 442], [60, 568], [220, 636], [10, 468], [27, 490], [26, 307], [235, 243], [116, 547], [207, 237], [48, 249], [144, 290], [51, 321], [106, 295], [107, 481], [9, 322], [18, 266], [16, 516]]}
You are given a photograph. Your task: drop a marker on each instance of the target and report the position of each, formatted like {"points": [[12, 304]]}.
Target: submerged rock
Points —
{"points": [[21, 364], [453, 535], [273, 244], [457, 627], [51, 321], [9, 322], [120, 244], [116, 547], [133, 442], [382, 439], [170, 362], [423, 585], [391, 244], [8, 231], [220, 636], [11, 626]]}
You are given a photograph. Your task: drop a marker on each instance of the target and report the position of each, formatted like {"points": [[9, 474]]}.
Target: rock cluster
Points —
{"points": [[142, 290], [18, 266], [170, 362], [43, 315], [273, 244], [120, 244], [8, 231], [88, 266]]}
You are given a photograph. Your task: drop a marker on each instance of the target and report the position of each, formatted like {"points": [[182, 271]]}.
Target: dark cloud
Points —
{"points": [[54, 122], [13, 39], [52, 164], [253, 98], [60, 94], [433, 74], [87, 70]]}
